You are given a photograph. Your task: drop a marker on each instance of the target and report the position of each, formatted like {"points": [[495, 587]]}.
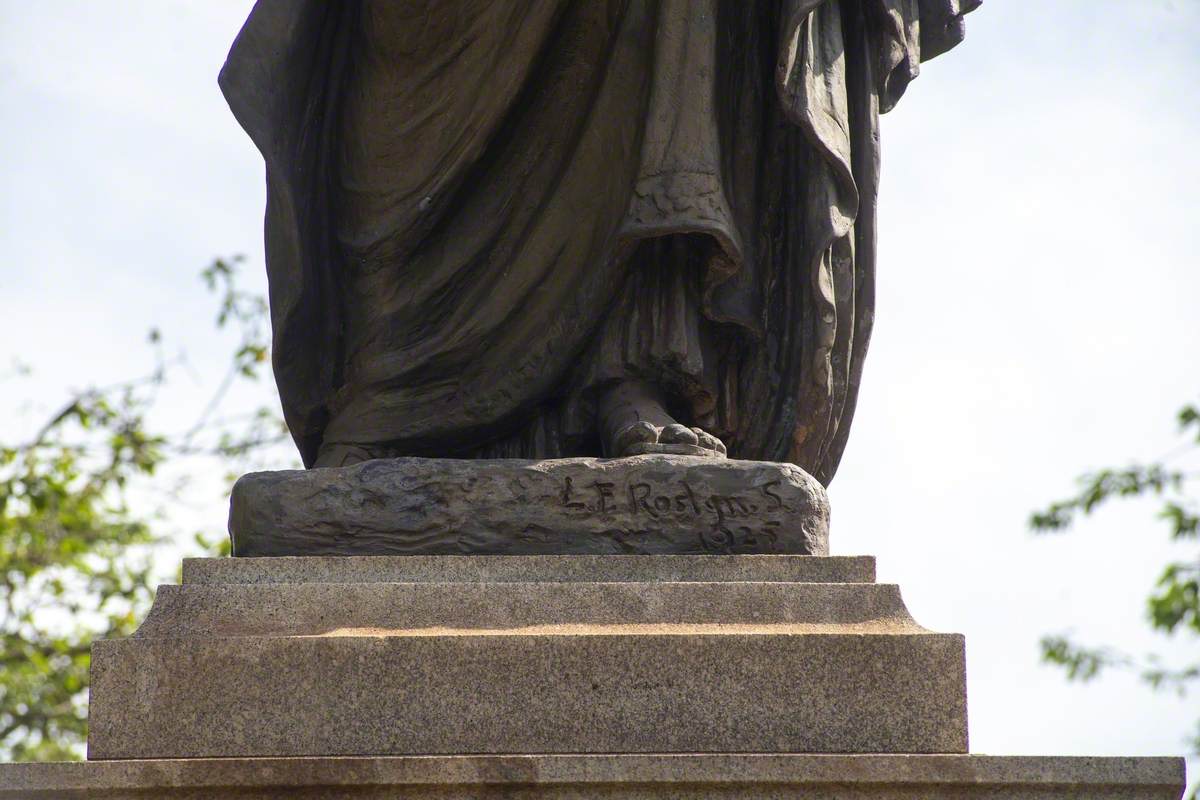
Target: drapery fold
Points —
{"points": [[543, 144]]}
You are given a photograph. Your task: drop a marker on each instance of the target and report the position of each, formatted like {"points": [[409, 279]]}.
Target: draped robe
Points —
{"points": [[482, 212]]}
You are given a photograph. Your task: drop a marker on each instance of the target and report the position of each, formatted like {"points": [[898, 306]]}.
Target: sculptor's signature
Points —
{"points": [[642, 499]]}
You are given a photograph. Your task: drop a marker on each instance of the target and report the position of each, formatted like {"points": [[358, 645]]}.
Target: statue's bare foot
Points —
{"points": [[633, 421]]}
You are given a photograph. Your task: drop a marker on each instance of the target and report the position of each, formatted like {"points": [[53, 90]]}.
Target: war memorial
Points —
{"points": [[570, 304]]}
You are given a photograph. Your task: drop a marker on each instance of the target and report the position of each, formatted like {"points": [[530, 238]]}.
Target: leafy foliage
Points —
{"points": [[1173, 606], [69, 552], [76, 555]]}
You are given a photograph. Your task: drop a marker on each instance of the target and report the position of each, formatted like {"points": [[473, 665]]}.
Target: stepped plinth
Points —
{"points": [[514, 654], [565, 672]]}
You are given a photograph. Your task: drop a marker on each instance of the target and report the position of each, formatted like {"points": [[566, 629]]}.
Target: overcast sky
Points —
{"points": [[1037, 305]]}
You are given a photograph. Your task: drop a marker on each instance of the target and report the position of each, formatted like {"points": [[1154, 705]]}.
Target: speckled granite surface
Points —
{"points": [[613, 777], [288, 657]]}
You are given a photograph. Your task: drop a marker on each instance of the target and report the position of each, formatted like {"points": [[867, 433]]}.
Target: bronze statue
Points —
{"points": [[541, 228]]}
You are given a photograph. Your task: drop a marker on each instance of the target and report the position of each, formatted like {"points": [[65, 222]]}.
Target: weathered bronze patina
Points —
{"points": [[539, 228]]}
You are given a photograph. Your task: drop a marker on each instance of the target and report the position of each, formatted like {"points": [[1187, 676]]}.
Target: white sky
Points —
{"points": [[1037, 305]]}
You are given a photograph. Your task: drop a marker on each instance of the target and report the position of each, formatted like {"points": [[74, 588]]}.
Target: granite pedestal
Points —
{"points": [[511, 654], [560, 677], [567, 672]]}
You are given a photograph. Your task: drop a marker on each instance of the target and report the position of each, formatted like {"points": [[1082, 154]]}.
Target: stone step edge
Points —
{"points": [[883, 627], [533, 568], [1164, 776], [206, 610]]}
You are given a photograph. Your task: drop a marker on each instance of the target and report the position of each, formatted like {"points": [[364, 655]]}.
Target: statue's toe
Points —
{"points": [[709, 442], [678, 434], [640, 432]]}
